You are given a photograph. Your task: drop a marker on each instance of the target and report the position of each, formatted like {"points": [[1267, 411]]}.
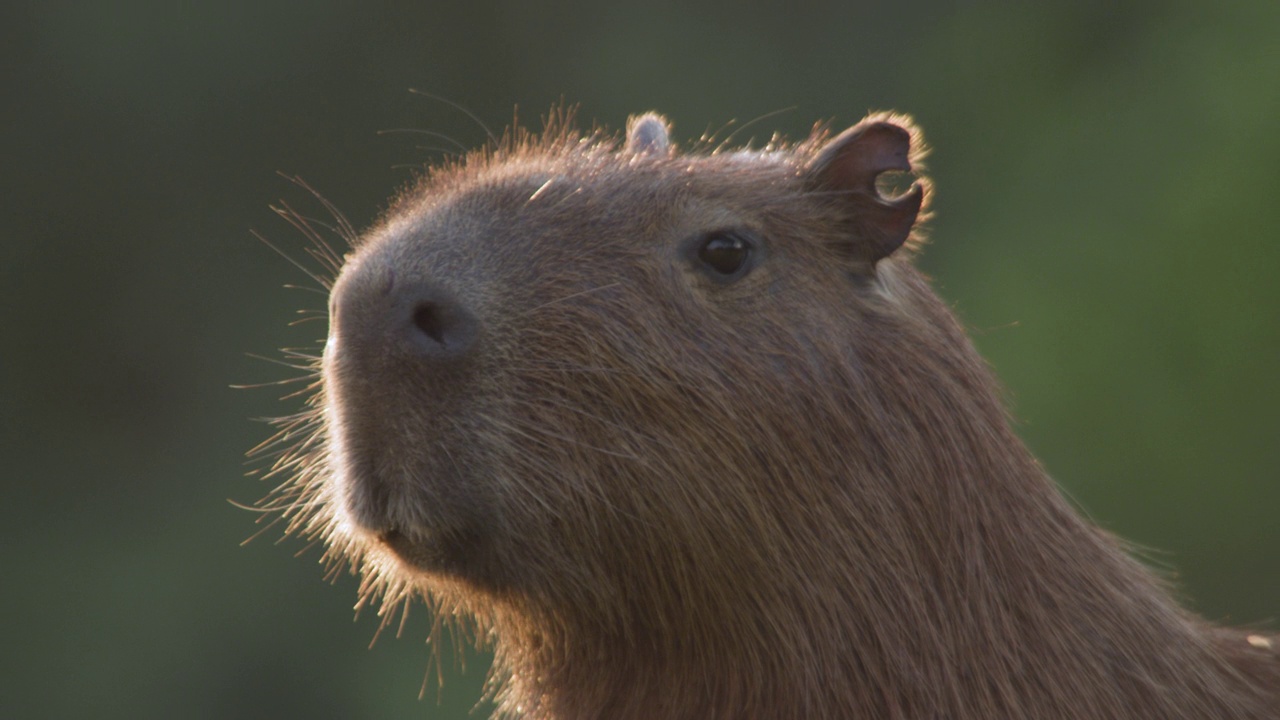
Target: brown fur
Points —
{"points": [[656, 495]]}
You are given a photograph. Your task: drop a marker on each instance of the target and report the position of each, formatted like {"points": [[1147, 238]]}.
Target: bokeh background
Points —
{"points": [[1108, 201]]}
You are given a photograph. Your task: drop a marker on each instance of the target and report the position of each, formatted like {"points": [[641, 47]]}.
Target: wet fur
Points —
{"points": [[795, 496]]}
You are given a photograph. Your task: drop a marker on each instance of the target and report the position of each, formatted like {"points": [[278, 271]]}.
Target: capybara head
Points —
{"points": [[615, 383]]}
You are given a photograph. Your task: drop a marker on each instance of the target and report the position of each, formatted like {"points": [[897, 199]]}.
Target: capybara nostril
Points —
{"points": [[439, 327], [428, 318]]}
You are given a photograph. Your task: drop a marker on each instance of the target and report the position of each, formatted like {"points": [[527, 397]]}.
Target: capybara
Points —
{"points": [[685, 434]]}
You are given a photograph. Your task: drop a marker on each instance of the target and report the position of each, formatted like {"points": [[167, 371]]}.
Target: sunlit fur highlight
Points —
{"points": [[731, 504]]}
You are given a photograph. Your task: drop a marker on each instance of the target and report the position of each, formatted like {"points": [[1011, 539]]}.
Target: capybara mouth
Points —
{"points": [[407, 549], [447, 553], [399, 543], [390, 537]]}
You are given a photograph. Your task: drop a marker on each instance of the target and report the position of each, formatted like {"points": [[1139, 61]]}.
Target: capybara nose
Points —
{"points": [[376, 311]]}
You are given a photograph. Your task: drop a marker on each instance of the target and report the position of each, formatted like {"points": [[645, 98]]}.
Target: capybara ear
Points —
{"points": [[846, 168], [648, 134]]}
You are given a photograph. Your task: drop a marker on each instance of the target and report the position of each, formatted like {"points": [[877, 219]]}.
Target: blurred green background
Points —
{"points": [[1108, 197]]}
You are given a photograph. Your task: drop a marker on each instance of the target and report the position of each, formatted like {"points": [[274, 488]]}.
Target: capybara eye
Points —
{"points": [[724, 253]]}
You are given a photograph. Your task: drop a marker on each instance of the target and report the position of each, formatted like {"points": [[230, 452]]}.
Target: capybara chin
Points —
{"points": [[684, 434]]}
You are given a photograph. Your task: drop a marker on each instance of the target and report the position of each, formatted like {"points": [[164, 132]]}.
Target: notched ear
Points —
{"points": [[847, 168], [648, 134]]}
